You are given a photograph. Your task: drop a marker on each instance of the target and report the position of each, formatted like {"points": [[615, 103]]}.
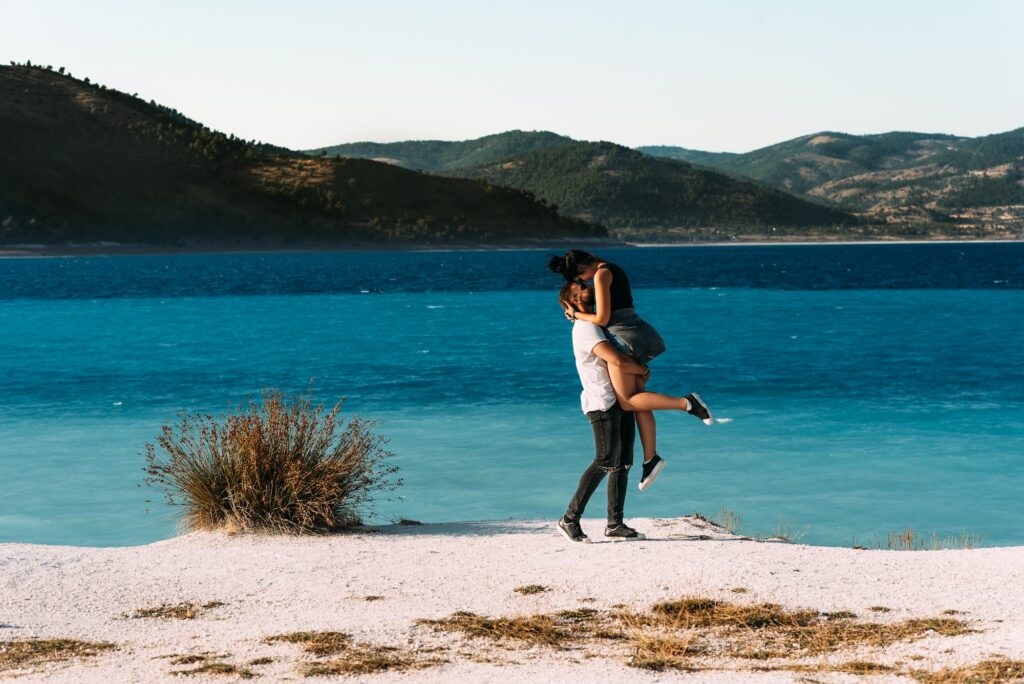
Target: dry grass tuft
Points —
{"points": [[880, 609], [661, 653], [261, 661], [362, 659], [216, 668], [188, 659], [986, 672], [317, 643], [18, 653], [529, 589], [739, 590], [374, 597], [862, 667], [278, 466], [355, 658], [556, 630], [703, 612], [673, 631], [912, 540], [177, 611], [728, 520]]}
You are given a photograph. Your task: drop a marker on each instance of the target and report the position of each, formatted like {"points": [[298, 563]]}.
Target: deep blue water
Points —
{"points": [[864, 389]]}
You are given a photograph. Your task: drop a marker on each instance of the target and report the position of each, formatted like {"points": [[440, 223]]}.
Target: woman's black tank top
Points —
{"points": [[620, 292]]}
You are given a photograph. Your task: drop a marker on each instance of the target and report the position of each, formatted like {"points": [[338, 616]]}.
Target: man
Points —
{"points": [[614, 428]]}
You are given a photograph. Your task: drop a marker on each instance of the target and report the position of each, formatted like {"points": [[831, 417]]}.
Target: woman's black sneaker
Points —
{"points": [[572, 531], [699, 408], [621, 532], [651, 470]]}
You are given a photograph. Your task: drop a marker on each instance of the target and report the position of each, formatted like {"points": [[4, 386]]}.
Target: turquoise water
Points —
{"points": [[857, 397]]}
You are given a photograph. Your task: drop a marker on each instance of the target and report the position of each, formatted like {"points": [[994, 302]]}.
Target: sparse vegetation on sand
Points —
{"points": [[177, 611], [18, 653], [355, 658], [985, 672], [280, 465], [912, 540], [217, 668], [529, 589], [557, 630], [697, 633]]}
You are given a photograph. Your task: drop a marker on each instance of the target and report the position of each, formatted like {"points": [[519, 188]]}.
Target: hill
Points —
{"points": [[81, 162], [445, 155], [629, 191], [904, 178]]}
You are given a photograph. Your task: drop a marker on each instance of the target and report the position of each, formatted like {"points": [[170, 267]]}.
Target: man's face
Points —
{"points": [[585, 300]]}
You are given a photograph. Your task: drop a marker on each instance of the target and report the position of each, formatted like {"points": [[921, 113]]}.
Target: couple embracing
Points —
{"points": [[613, 346]]}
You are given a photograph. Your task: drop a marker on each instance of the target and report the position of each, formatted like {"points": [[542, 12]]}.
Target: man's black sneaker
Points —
{"points": [[699, 408], [621, 532], [651, 471], [572, 531]]}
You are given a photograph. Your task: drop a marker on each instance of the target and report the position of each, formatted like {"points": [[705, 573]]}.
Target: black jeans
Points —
{"points": [[614, 435]]}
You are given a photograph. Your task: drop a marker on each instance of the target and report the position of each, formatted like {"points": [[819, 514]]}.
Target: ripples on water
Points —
{"points": [[863, 388]]}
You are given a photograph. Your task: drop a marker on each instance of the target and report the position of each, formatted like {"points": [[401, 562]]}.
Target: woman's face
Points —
{"points": [[588, 271]]}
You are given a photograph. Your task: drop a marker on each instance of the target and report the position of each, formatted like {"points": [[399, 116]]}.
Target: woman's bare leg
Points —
{"points": [[629, 390]]}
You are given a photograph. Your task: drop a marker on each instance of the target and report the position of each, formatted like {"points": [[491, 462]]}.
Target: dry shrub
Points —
{"points": [[278, 466], [528, 589], [18, 653]]}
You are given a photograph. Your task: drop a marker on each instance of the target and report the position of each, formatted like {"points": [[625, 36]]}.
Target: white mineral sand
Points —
{"points": [[274, 585]]}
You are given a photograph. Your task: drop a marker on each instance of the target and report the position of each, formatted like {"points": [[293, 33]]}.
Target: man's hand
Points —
{"points": [[570, 311]]}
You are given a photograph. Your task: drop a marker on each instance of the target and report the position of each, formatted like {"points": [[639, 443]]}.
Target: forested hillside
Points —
{"points": [[80, 162]]}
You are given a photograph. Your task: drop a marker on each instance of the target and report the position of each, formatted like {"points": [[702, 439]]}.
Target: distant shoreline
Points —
{"points": [[116, 249]]}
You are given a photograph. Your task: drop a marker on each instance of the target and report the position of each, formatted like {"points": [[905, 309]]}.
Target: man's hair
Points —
{"points": [[569, 295]]}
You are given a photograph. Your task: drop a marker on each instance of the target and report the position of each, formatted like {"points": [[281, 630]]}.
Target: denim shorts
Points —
{"points": [[634, 336]]}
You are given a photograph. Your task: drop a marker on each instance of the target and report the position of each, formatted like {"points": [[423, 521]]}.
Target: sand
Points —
{"points": [[275, 585]]}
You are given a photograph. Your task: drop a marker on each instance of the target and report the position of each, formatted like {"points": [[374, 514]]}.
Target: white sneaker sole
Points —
{"points": [[638, 537], [585, 540], [710, 420], [652, 477]]}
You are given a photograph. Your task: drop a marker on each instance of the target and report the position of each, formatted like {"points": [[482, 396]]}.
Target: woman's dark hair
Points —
{"points": [[572, 263]]}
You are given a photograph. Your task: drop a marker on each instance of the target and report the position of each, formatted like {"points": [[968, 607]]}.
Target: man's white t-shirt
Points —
{"points": [[598, 393]]}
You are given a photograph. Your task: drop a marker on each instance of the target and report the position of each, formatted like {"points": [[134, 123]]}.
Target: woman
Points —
{"points": [[613, 310]]}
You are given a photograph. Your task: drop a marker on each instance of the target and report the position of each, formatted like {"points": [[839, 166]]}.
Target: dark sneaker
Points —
{"points": [[572, 531], [699, 408], [621, 532], [651, 470]]}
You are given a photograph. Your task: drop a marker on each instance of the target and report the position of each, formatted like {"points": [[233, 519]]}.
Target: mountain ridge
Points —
{"points": [[80, 162]]}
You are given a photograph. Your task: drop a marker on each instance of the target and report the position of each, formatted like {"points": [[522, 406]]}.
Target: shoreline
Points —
{"points": [[378, 584], [18, 251]]}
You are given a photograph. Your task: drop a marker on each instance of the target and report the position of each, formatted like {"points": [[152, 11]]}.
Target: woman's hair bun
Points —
{"points": [[557, 264]]}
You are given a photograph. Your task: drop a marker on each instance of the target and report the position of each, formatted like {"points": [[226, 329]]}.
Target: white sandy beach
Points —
{"points": [[275, 585]]}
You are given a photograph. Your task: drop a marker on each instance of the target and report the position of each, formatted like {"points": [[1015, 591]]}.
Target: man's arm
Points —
{"points": [[607, 352]]}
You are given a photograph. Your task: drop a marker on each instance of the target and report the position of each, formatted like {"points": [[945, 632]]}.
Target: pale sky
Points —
{"points": [[721, 75]]}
